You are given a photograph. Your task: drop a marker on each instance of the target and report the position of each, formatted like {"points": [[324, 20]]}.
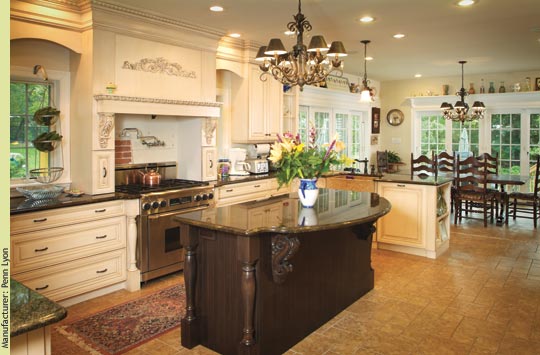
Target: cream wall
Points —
{"points": [[394, 93], [29, 52]]}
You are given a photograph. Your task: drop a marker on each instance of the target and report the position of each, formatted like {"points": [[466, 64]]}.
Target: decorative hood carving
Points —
{"points": [[156, 106]]}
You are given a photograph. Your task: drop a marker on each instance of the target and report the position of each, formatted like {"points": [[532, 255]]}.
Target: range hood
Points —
{"points": [[155, 106]]}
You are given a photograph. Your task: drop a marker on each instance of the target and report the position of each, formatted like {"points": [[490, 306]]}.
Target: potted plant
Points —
{"points": [[394, 162]]}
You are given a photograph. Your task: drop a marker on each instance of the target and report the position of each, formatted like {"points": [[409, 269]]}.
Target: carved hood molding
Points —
{"points": [[156, 106]]}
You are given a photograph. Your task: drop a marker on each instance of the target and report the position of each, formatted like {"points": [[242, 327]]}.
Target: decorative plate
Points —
{"points": [[395, 117]]}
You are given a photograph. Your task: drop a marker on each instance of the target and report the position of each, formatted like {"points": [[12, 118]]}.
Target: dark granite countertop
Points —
{"points": [[30, 310], [334, 208], [23, 205], [237, 179], [407, 179]]}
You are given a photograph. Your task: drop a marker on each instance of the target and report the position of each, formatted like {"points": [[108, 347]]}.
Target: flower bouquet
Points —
{"points": [[293, 159]]}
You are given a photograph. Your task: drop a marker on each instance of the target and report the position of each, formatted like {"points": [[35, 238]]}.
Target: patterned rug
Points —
{"points": [[121, 328]]}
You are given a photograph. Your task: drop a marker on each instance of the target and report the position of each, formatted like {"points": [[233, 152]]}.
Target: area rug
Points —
{"points": [[121, 328]]}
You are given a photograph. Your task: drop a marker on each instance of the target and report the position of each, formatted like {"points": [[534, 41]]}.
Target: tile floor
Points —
{"points": [[480, 297]]}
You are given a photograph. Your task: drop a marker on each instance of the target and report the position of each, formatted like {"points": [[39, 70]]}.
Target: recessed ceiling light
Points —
{"points": [[399, 35], [367, 19], [368, 58], [466, 2], [216, 8], [417, 75], [234, 35]]}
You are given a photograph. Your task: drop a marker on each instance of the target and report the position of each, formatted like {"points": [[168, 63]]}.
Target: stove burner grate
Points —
{"points": [[169, 184]]}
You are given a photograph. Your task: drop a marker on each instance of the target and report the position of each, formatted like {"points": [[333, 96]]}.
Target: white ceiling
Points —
{"points": [[493, 35]]}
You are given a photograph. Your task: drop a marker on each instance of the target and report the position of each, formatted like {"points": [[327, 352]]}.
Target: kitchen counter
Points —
{"points": [[281, 270], [22, 205], [30, 310], [236, 179], [407, 179]]}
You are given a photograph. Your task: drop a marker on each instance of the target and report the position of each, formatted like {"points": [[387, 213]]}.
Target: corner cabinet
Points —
{"points": [[419, 222], [264, 110]]}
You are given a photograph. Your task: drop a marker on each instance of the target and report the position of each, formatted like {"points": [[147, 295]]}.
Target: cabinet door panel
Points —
{"points": [[209, 165], [103, 170]]}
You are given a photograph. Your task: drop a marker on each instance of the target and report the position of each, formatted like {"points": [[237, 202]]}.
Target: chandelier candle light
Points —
{"points": [[460, 111], [303, 65]]}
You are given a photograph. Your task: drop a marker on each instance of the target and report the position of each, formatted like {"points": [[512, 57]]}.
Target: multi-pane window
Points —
{"points": [[341, 124], [356, 137], [432, 134], [25, 99], [465, 137], [322, 126], [506, 141]]}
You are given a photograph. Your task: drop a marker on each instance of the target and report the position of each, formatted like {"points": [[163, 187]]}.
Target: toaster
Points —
{"points": [[258, 166]]}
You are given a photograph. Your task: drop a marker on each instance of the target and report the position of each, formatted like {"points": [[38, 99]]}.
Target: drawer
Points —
{"points": [[252, 189], [33, 221], [56, 245], [77, 277]]}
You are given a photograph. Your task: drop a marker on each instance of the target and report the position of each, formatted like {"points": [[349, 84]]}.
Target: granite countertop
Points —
{"points": [[334, 208], [31, 310], [23, 205], [243, 178], [407, 179]]}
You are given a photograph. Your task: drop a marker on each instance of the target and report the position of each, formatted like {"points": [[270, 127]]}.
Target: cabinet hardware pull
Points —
{"points": [[41, 288], [211, 163], [40, 220], [104, 172], [99, 211], [400, 185], [42, 249], [229, 190], [101, 236], [101, 271], [257, 186]]}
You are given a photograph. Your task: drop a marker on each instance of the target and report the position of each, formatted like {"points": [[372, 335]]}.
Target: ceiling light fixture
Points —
{"points": [[235, 35], [216, 8], [460, 111], [367, 94], [367, 19], [303, 65], [418, 75], [399, 35], [466, 2]]}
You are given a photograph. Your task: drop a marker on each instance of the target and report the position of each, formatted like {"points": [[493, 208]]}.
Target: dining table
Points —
{"points": [[502, 180]]}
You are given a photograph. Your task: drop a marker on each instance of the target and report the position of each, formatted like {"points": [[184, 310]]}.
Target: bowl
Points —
{"points": [[47, 175], [41, 192]]}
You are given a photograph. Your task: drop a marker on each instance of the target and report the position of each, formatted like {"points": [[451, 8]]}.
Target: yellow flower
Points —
{"points": [[300, 147], [275, 153], [339, 146], [287, 145]]}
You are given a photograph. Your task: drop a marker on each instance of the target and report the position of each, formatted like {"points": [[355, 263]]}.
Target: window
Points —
{"points": [[432, 133], [506, 141], [25, 99]]}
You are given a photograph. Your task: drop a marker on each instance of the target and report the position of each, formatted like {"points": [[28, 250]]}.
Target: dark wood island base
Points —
{"points": [[262, 290]]}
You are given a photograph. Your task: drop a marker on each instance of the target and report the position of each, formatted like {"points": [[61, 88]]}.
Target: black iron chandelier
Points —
{"points": [[460, 111], [303, 65]]}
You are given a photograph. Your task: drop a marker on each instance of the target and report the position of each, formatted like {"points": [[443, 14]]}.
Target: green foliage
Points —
{"points": [[393, 157]]}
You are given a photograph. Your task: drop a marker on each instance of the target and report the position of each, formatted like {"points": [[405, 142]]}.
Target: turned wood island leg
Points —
{"points": [[189, 324]]}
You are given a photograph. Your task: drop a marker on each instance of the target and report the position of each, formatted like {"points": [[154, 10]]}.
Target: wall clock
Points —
{"points": [[395, 117]]}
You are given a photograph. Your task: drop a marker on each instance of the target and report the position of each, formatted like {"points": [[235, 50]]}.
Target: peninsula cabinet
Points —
{"points": [[248, 191], [65, 252], [419, 220], [263, 119]]}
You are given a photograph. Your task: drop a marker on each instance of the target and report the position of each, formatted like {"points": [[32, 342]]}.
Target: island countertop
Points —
{"points": [[352, 208], [30, 310]]}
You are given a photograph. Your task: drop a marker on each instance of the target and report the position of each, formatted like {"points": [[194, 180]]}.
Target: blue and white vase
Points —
{"points": [[308, 192], [307, 217]]}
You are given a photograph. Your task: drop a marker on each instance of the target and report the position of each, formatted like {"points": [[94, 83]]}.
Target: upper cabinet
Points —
{"points": [[257, 116]]}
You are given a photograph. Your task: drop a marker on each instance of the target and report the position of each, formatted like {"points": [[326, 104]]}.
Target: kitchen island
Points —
{"points": [[261, 276]]}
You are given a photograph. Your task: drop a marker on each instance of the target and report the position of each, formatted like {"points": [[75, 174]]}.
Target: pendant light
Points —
{"points": [[367, 94]]}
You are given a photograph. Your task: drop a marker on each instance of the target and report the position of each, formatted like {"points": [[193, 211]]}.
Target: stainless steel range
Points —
{"points": [[159, 251]]}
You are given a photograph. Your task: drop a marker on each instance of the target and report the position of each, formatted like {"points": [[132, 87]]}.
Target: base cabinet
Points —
{"points": [[248, 191], [35, 342], [62, 253], [414, 224]]}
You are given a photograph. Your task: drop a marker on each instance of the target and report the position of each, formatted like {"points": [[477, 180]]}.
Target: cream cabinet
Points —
{"points": [[209, 167], [103, 171], [264, 110], [414, 225], [351, 183], [248, 191], [67, 252], [257, 214]]}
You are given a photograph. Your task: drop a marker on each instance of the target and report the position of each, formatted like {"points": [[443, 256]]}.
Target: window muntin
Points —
{"points": [[506, 141]]}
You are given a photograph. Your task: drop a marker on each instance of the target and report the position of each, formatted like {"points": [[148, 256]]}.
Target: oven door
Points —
{"points": [[161, 239]]}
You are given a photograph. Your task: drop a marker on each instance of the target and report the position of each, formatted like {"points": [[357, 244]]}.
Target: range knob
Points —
{"points": [[210, 196], [146, 206], [205, 197], [163, 203], [155, 204], [198, 198]]}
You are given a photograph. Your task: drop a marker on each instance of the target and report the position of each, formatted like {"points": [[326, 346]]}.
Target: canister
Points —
{"points": [[223, 168]]}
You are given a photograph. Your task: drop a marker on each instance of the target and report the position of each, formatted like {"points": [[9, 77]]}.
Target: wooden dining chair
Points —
{"points": [[472, 194], [527, 204], [423, 166]]}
